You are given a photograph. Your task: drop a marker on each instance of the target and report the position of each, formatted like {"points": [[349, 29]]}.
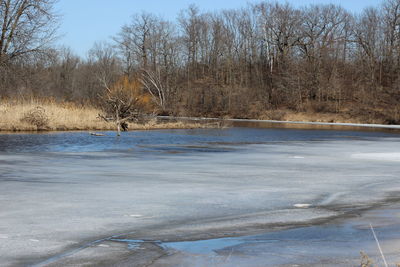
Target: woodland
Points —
{"points": [[264, 60]]}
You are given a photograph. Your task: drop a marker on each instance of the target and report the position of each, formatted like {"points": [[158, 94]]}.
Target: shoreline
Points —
{"points": [[47, 115], [137, 127], [364, 125], [201, 122]]}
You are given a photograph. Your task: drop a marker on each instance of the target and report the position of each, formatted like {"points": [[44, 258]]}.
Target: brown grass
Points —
{"points": [[310, 116], [66, 117], [22, 116], [321, 117]]}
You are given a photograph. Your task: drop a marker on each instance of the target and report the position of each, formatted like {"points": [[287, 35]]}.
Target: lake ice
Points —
{"points": [[61, 190]]}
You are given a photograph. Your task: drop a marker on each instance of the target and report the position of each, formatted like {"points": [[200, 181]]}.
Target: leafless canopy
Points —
{"points": [[27, 26], [245, 62]]}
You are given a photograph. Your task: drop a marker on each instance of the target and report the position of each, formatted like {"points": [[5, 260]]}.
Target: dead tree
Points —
{"points": [[152, 83], [122, 103]]}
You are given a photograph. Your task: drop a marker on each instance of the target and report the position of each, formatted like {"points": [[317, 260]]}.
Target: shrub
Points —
{"points": [[125, 101], [276, 115], [37, 117]]}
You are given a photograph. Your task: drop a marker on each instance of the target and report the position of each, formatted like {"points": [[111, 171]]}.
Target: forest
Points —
{"points": [[264, 60]]}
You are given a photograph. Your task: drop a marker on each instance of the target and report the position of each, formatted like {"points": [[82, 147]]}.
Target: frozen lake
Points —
{"points": [[73, 198]]}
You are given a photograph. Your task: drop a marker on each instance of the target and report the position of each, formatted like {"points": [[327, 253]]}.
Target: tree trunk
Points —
{"points": [[118, 128]]}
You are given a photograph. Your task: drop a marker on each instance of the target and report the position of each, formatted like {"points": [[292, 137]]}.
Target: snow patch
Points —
{"points": [[302, 205]]}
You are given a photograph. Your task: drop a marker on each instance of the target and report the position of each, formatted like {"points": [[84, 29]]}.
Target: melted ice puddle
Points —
{"points": [[204, 246]]}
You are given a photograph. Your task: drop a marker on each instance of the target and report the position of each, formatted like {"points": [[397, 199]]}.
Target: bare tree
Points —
{"points": [[237, 62], [323, 31], [123, 102], [153, 84], [134, 40], [368, 36], [27, 26], [105, 64], [391, 20], [283, 24]]}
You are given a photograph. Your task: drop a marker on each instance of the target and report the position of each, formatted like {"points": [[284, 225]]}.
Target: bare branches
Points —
{"points": [[27, 26], [123, 102], [238, 62], [152, 83]]}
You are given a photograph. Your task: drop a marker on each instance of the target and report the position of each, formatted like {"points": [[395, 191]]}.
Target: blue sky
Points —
{"points": [[87, 21]]}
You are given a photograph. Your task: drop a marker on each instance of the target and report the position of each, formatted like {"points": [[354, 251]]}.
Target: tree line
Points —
{"points": [[234, 62]]}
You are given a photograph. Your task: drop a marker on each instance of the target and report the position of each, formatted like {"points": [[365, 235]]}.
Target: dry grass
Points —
{"points": [[365, 260], [321, 117], [154, 125], [344, 117], [17, 116]]}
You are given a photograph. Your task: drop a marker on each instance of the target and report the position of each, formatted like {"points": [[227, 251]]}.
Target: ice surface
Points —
{"points": [[51, 201], [378, 156], [334, 244]]}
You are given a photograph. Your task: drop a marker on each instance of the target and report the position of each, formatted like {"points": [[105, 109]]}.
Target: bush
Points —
{"points": [[37, 117], [276, 115], [321, 107]]}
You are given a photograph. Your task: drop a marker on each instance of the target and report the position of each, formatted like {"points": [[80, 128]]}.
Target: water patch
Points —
{"points": [[133, 244], [204, 246], [327, 245], [171, 140]]}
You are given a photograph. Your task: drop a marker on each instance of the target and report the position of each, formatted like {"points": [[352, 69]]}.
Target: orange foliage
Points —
{"points": [[132, 89]]}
